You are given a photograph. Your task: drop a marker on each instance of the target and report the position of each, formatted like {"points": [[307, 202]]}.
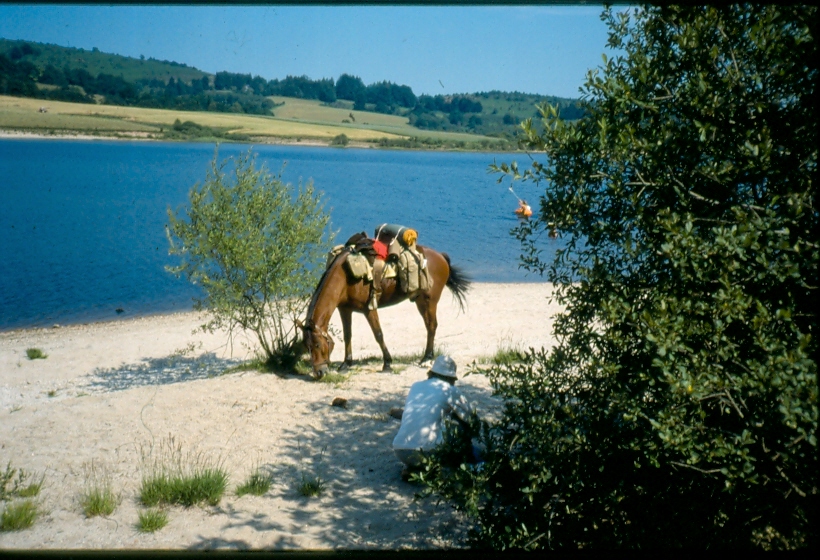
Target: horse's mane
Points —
{"points": [[321, 285]]}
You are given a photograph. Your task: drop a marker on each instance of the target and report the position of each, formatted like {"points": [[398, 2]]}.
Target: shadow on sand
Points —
{"points": [[365, 504], [159, 371]]}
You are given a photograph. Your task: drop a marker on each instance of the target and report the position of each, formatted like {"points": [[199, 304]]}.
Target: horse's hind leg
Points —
{"points": [[427, 308], [373, 319], [346, 315]]}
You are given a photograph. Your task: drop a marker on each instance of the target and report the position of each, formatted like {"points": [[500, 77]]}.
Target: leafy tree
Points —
{"points": [[256, 247], [349, 87], [679, 407]]}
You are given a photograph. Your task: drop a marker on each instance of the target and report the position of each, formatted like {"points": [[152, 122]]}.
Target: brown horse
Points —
{"points": [[338, 290]]}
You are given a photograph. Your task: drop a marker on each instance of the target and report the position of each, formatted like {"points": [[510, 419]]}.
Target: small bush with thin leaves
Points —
{"points": [[256, 246]]}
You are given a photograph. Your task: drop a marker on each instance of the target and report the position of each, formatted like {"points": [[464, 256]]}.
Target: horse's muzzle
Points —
{"points": [[320, 371]]}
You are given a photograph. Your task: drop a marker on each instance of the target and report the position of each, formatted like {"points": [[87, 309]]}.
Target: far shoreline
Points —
{"points": [[16, 134]]}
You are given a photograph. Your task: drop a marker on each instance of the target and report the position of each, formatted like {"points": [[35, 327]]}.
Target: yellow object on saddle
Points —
{"points": [[409, 237]]}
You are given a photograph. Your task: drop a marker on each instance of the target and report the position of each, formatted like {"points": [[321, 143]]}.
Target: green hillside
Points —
{"points": [[95, 62], [55, 73]]}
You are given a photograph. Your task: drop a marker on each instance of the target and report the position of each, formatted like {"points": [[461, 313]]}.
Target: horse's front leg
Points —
{"points": [[347, 316], [427, 309], [373, 319]]}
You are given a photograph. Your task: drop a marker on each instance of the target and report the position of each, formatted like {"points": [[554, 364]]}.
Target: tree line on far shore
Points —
{"points": [[24, 72]]}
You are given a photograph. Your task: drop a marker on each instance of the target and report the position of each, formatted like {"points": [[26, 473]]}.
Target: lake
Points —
{"points": [[83, 222]]}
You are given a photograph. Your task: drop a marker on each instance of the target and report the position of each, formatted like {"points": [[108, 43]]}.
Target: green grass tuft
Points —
{"points": [[311, 486], [188, 489], [99, 502], [19, 515], [257, 484], [187, 479], [152, 520], [35, 354]]}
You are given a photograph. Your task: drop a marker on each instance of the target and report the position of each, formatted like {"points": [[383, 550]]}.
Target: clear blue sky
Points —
{"points": [[437, 49]]}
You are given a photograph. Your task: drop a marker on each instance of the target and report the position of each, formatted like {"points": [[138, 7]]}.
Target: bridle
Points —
{"points": [[328, 340]]}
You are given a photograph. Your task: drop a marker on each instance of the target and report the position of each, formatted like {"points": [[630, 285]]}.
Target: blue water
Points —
{"points": [[82, 224]]}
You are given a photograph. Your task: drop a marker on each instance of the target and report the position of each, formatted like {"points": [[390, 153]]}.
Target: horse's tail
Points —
{"points": [[458, 282]]}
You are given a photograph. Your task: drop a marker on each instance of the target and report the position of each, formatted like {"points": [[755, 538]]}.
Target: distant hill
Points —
{"points": [[96, 62], [29, 69]]}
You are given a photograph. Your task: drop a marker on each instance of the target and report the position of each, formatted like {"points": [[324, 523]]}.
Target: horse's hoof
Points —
{"points": [[426, 362], [345, 366], [387, 369]]}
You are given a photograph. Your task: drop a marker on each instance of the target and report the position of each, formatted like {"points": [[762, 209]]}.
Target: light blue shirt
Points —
{"points": [[427, 404]]}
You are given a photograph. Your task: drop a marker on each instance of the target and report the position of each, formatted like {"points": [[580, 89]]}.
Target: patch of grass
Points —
{"points": [[19, 515], [186, 479], [35, 354], [508, 353], [99, 502], [334, 378], [52, 393], [257, 484], [98, 498], [311, 486], [152, 520], [15, 483]]}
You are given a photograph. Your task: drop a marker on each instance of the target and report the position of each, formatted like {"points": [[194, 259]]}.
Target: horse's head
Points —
{"points": [[320, 344]]}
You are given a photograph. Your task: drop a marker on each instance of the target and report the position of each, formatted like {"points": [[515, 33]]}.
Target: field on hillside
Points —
{"points": [[23, 113], [295, 119], [312, 111]]}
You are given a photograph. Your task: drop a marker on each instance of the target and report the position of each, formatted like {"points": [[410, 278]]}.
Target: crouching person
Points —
{"points": [[429, 404]]}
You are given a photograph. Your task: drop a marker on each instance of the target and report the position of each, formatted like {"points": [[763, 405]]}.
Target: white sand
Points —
{"points": [[107, 389]]}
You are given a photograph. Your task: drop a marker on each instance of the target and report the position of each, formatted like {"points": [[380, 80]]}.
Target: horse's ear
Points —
{"points": [[299, 323]]}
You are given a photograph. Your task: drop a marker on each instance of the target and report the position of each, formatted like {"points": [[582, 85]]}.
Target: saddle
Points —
{"points": [[407, 264]]}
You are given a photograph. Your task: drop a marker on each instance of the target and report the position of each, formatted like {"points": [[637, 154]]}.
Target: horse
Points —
{"points": [[338, 290]]}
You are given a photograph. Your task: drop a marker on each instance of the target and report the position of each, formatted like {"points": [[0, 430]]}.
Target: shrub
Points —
{"points": [[679, 408], [340, 140], [35, 354], [257, 249]]}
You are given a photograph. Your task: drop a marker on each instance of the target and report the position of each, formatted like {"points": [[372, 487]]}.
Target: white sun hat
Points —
{"points": [[445, 367]]}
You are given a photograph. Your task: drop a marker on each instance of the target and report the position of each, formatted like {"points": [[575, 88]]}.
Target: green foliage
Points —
{"points": [[152, 520], [19, 515], [679, 408], [256, 248], [340, 140], [35, 354]]}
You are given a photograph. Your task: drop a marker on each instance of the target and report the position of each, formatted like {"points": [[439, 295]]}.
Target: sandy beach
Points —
{"points": [[108, 392]]}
